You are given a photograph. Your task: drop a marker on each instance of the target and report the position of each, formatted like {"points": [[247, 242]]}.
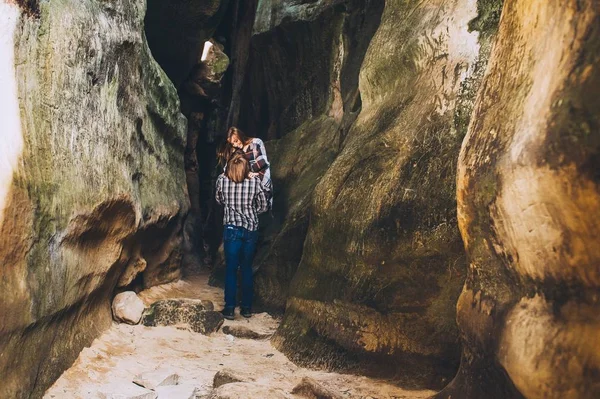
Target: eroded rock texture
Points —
{"points": [[311, 99], [197, 315], [529, 210], [93, 188], [370, 102]]}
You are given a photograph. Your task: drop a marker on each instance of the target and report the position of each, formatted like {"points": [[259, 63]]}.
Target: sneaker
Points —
{"points": [[246, 312], [228, 313]]}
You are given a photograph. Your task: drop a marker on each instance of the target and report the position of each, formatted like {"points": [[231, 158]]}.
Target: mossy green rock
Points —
{"points": [[382, 261], [198, 315], [97, 183]]}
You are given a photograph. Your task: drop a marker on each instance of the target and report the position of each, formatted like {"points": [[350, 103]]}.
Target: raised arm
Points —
{"points": [[260, 161]]}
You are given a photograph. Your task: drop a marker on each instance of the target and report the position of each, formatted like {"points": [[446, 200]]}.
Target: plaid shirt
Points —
{"points": [[257, 156], [243, 201]]}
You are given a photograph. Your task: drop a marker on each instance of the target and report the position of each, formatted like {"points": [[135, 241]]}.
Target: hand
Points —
{"points": [[252, 175]]}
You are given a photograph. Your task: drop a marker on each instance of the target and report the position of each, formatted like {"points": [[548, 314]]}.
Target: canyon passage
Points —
{"points": [[436, 201]]}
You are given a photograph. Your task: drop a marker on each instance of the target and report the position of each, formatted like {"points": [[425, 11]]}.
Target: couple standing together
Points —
{"points": [[245, 191]]}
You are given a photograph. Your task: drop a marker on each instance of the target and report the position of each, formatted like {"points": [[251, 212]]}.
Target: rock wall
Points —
{"points": [[529, 210], [319, 87], [365, 245], [93, 187]]}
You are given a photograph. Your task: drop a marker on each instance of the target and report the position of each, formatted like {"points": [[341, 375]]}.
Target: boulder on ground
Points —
{"points": [[197, 314], [127, 307], [227, 376], [309, 388]]}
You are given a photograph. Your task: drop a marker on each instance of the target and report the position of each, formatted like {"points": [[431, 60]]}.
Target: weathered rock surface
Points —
{"points": [[228, 376], [94, 169], [127, 307], [309, 388], [271, 13], [197, 314], [529, 210], [367, 153], [135, 266], [313, 117]]}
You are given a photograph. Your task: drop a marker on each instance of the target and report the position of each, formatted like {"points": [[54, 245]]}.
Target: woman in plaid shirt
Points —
{"points": [[243, 198], [256, 154]]}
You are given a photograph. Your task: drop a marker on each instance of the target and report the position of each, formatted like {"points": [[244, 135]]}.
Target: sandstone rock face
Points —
{"points": [[127, 307], [93, 180], [271, 13], [365, 172], [314, 118], [529, 210]]}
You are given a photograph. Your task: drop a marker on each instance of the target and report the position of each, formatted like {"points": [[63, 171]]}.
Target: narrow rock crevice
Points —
{"points": [[435, 168]]}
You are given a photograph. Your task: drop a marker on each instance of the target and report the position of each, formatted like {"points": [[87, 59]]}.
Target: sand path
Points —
{"points": [[115, 358]]}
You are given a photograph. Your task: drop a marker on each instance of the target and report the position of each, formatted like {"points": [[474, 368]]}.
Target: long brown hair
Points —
{"points": [[234, 131], [224, 152], [237, 168]]}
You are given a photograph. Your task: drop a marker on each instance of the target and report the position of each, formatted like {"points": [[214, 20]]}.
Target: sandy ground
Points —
{"points": [[124, 351]]}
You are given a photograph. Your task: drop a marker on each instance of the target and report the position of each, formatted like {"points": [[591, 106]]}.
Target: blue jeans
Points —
{"points": [[239, 244]]}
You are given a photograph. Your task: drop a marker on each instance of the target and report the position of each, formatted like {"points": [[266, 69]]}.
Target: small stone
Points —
{"points": [[127, 391], [156, 378], [244, 332], [309, 388], [127, 307], [227, 376]]}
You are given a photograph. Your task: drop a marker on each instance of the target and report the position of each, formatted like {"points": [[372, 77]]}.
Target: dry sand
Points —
{"points": [[124, 351]]}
